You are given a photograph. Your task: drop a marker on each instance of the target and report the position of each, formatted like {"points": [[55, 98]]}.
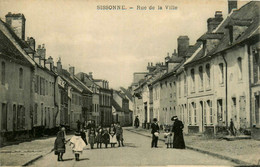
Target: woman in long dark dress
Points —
{"points": [[59, 145], [178, 141]]}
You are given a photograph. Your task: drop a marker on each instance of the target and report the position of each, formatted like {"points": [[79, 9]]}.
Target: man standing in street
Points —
{"points": [[136, 124], [178, 141], [155, 132]]}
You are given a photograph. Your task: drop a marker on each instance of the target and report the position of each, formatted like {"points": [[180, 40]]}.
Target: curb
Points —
{"points": [[237, 161], [35, 159]]}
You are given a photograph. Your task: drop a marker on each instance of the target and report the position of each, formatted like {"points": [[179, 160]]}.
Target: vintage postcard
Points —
{"points": [[129, 83]]}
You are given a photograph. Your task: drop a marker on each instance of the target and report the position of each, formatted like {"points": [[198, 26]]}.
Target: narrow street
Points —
{"points": [[137, 152]]}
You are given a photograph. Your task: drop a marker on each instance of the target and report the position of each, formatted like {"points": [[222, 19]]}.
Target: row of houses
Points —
{"points": [[209, 83], [36, 95]]}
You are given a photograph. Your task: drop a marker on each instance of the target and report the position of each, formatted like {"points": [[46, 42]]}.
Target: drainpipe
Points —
{"points": [[226, 90]]}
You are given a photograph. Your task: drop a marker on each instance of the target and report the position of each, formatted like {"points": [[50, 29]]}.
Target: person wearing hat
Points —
{"points": [[77, 145], [136, 124], [155, 132], [178, 141], [59, 144]]}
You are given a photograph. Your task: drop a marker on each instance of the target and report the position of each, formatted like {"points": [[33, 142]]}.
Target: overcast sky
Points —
{"points": [[112, 44]]}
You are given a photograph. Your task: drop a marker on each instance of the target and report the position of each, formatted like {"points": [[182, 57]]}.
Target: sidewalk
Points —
{"points": [[22, 153], [246, 151]]}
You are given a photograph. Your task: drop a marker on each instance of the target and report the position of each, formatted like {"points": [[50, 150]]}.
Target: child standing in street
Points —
{"points": [[99, 137], [105, 137], [92, 137], [77, 145], [168, 138], [112, 134]]}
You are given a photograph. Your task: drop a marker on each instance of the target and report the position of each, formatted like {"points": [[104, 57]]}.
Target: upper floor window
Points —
{"points": [[192, 74], [20, 78], [239, 63], [256, 66], [208, 75], [3, 73], [201, 77], [179, 86], [221, 73], [185, 84]]}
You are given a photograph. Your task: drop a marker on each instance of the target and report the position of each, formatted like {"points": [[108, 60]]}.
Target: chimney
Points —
{"points": [[90, 75], [183, 45], [232, 4], [17, 23], [174, 53], [31, 42], [72, 71], [215, 21], [49, 63], [59, 65], [41, 51]]}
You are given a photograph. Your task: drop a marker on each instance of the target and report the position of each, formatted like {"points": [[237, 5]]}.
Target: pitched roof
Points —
{"points": [[8, 50], [240, 17], [116, 106], [127, 93]]}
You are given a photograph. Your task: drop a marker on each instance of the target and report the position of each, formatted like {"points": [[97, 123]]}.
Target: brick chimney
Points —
{"points": [[183, 45], [232, 4], [215, 21], [17, 23], [72, 71], [41, 51], [31, 42], [49, 63], [59, 65]]}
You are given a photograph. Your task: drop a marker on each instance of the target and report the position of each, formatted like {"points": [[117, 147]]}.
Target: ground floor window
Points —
{"points": [[4, 117]]}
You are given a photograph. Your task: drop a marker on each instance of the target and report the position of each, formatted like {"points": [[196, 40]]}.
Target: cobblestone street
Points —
{"points": [[137, 152]]}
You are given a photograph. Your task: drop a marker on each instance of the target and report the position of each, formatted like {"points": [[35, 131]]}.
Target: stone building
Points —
{"points": [[15, 91]]}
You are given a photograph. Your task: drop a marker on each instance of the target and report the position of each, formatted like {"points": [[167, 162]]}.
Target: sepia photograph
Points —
{"points": [[129, 83]]}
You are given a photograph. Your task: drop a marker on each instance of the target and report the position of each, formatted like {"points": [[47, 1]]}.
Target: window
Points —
{"points": [[239, 63], [209, 103], [192, 74], [3, 73], [35, 114], [36, 84], [208, 75], [179, 85], [221, 73], [234, 110], [185, 85], [189, 114], [256, 67], [14, 118], [194, 112], [220, 110], [4, 117], [204, 112], [201, 77], [20, 78], [46, 84], [21, 117], [42, 114]]}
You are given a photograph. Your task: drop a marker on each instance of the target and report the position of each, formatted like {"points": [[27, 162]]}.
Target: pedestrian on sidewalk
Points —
{"points": [[59, 144], [106, 137], [99, 137], [77, 145], [155, 132], [136, 124], [168, 138], [178, 141], [92, 137], [112, 135]]}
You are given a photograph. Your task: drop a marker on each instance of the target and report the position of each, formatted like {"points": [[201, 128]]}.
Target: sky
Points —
{"points": [[113, 44]]}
